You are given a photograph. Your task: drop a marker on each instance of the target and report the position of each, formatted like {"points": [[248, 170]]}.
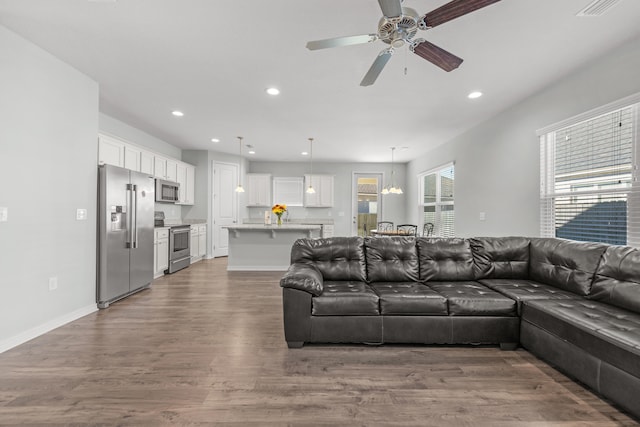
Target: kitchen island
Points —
{"points": [[258, 247]]}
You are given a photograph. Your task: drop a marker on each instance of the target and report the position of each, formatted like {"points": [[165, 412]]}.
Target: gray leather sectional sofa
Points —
{"points": [[573, 304]]}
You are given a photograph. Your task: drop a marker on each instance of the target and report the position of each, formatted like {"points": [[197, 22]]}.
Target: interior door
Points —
{"points": [[367, 203], [225, 205]]}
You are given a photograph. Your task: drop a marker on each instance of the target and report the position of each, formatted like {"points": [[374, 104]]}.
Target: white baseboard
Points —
{"points": [[282, 268], [32, 333]]}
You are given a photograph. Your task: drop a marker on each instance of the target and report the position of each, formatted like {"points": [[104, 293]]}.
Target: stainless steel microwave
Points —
{"points": [[167, 191]]}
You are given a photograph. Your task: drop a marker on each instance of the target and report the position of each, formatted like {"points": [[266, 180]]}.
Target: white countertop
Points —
{"points": [[283, 227]]}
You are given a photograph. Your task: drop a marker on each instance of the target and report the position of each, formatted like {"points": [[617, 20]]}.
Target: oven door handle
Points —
{"points": [[187, 230]]}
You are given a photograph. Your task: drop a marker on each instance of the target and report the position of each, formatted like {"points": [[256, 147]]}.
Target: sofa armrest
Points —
{"points": [[304, 277]]}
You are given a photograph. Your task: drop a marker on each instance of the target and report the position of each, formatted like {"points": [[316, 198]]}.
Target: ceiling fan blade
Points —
{"points": [[453, 10], [391, 8], [341, 41], [436, 55], [376, 67]]}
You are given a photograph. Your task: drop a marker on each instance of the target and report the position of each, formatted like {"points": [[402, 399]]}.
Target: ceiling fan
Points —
{"points": [[398, 27]]}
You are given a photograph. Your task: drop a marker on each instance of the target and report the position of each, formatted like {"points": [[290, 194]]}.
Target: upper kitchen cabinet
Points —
{"points": [[166, 169], [147, 160], [186, 176], [323, 197], [110, 151], [259, 189]]}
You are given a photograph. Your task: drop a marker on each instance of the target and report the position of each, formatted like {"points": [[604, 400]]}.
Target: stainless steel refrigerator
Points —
{"points": [[125, 233]]}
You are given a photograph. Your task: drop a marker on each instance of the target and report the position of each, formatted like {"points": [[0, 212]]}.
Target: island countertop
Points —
{"points": [[283, 227]]}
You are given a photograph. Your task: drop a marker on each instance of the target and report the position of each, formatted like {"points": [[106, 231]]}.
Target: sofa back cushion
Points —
{"points": [[500, 257], [337, 258], [565, 264], [617, 280], [391, 259], [445, 259]]}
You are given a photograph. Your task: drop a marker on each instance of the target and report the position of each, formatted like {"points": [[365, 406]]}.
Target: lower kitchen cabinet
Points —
{"points": [[198, 242], [160, 251]]}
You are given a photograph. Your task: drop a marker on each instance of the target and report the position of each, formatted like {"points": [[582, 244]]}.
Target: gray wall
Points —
{"points": [[393, 208], [48, 157], [498, 162]]}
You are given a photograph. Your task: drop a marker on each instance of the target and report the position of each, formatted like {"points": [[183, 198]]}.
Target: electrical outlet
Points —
{"points": [[81, 214], [483, 216], [4, 214], [53, 283]]}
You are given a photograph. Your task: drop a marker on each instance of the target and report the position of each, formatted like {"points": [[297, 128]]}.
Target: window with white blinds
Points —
{"points": [[588, 185], [436, 202]]}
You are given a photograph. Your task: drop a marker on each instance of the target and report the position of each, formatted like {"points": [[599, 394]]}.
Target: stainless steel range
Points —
{"points": [[179, 249], [179, 244]]}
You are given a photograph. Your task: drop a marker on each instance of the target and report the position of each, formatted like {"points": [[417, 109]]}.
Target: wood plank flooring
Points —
{"points": [[206, 347]]}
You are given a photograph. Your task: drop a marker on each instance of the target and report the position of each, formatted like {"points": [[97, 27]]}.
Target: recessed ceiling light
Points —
{"points": [[273, 91], [252, 152], [474, 95], [177, 113], [215, 140], [304, 153]]}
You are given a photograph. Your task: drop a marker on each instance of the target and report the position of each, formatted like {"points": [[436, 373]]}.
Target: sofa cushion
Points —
{"points": [[467, 298], [445, 259], [617, 280], [391, 259], [525, 290], [336, 258], [500, 257], [565, 264], [407, 298], [609, 333], [345, 298]]}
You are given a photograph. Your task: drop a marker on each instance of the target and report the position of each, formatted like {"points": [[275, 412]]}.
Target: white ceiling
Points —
{"points": [[213, 59]]}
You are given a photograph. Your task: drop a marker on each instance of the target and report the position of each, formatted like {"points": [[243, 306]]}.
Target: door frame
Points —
{"points": [[214, 231], [354, 195]]}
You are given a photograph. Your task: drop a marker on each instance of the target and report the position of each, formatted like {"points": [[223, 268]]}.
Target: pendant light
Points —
{"points": [[392, 189], [239, 188], [310, 189]]}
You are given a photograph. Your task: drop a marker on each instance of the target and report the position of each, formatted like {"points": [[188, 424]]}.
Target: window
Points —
{"points": [[587, 181], [436, 200]]}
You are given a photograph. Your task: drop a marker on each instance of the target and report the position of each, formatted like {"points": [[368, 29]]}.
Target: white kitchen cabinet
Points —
{"points": [[146, 162], [194, 243], [160, 167], [110, 151], [190, 192], [185, 177], [323, 197], [202, 241], [160, 251], [258, 189], [198, 242], [171, 170], [132, 158]]}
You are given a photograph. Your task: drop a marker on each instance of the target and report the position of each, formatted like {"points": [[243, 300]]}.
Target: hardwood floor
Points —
{"points": [[204, 347]]}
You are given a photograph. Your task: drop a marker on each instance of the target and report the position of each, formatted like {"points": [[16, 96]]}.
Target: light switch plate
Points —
{"points": [[483, 216], [4, 214], [81, 214], [53, 283]]}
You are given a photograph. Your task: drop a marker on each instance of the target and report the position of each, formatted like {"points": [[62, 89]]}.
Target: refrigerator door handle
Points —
{"points": [[130, 216], [134, 205]]}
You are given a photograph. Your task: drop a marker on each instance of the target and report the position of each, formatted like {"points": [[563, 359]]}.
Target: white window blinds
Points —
{"points": [[588, 188], [437, 201]]}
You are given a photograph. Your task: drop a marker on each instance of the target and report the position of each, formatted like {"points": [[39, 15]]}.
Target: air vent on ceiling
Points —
{"points": [[597, 7]]}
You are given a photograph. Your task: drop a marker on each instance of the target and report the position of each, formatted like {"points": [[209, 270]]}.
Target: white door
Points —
{"points": [[367, 203], [225, 205]]}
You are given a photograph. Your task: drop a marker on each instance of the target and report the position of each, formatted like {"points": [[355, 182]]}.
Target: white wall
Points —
{"points": [[48, 156], [498, 162], [393, 208]]}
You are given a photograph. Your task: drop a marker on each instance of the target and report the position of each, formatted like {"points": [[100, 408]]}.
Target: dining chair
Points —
{"points": [[385, 226], [427, 229], [407, 229]]}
